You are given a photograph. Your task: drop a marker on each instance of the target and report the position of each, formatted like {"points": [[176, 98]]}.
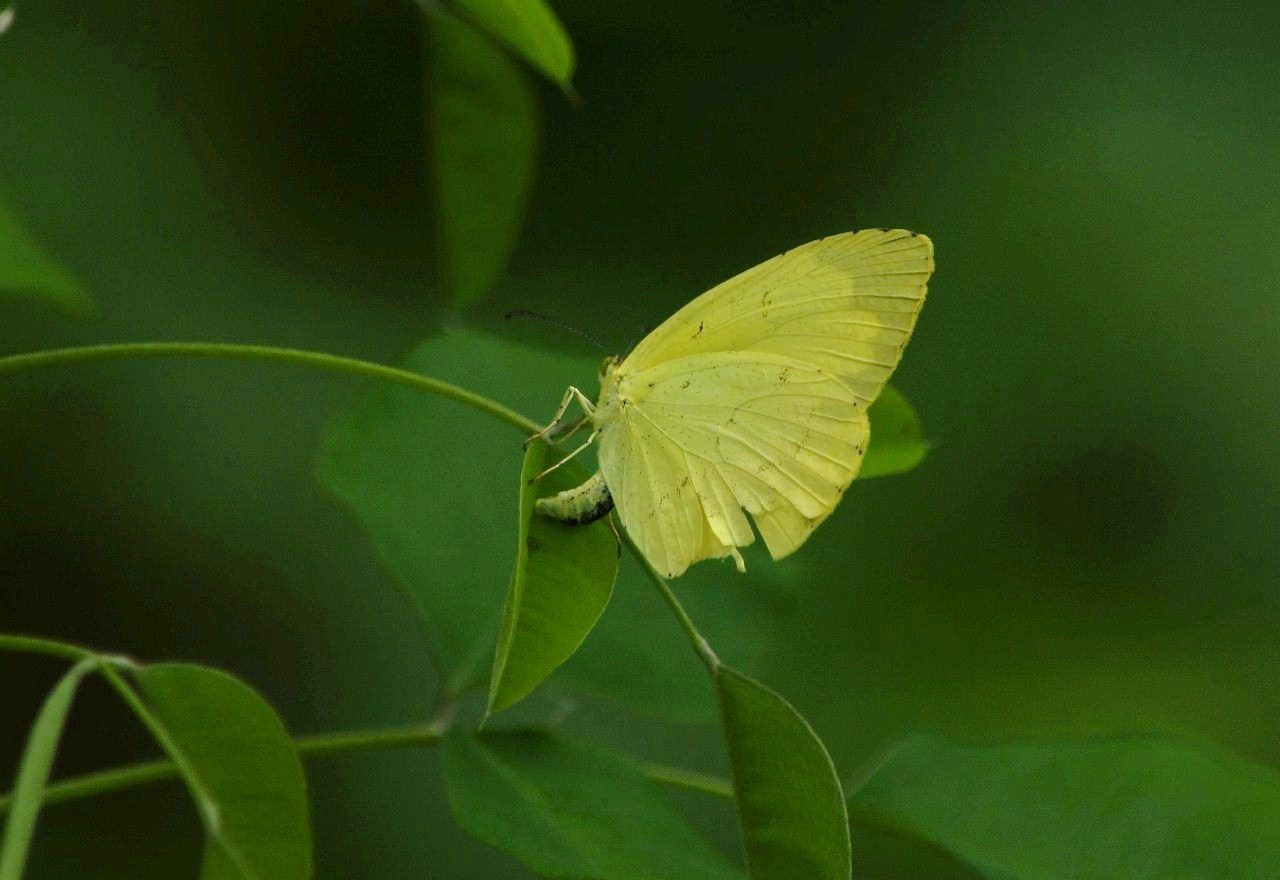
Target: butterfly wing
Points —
{"points": [[702, 438], [846, 303]]}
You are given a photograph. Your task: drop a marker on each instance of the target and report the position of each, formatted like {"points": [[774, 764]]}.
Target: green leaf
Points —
{"points": [[898, 443], [251, 786], [434, 483], [790, 805], [571, 810], [483, 129], [530, 28], [33, 771], [1144, 808], [26, 269], [561, 584]]}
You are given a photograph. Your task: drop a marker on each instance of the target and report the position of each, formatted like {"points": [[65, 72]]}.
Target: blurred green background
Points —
{"points": [[1091, 546]]}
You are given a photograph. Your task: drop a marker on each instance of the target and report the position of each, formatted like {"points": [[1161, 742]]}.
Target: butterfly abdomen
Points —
{"points": [[579, 506]]}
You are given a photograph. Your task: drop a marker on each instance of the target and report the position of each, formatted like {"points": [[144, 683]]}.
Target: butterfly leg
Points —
{"points": [[567, 430], [617, 536], [560, 411], [570, 396], [588, 442]]}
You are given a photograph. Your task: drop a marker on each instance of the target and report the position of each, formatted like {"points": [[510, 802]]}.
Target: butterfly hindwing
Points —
{"points": [[704, 437], [662, 512]]}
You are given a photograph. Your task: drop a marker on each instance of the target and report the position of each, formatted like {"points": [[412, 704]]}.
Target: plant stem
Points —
{"points": [[700, 645], [36, 645], [406, 737], [105, 781], [328, 745], [320, 360]]}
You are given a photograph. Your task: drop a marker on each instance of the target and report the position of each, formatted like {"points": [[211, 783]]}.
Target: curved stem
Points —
{"points": [[701, 646], [320, 360], [324, 746], [37, 645]]}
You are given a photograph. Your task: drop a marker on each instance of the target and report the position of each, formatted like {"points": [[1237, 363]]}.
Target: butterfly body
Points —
{"points": [[752, 399]]}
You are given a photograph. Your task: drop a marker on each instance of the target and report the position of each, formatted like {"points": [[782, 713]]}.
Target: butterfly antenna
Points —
{"points": [[644, 331], [525, 313]]}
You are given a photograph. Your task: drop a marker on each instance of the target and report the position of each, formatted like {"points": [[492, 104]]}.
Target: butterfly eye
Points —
{"points": [[606, 364]]}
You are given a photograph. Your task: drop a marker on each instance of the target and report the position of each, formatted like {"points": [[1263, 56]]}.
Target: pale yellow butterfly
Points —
{"points": [[752, 397]]}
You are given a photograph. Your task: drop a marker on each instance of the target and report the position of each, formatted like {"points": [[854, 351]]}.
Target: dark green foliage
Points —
{"points": [[529, 27], [27, 270], [571, 810], [1141, 808], [483, 120], [432, 482]]}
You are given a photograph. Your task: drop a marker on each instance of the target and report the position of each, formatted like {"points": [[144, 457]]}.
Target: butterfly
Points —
{"points": [[752, 399]]}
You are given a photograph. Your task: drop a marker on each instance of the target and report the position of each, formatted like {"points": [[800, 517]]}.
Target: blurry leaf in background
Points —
{"points": [[638, 657], [635, 656], [483, 139], [1098, 809], [33, 771], [434, 484], [247, 765], [572, 810], [562, 581], [27, 270], [794, 823], [897, 443], [531, 28]]}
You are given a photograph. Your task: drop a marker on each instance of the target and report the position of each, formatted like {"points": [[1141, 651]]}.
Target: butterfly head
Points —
{"points": [[609, 366]]}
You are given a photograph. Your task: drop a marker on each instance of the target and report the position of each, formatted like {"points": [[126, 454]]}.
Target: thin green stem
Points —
{"points": [[36, 645], [700, 645], [320, 360], [324, 746], [104, 781], [408, 737]]}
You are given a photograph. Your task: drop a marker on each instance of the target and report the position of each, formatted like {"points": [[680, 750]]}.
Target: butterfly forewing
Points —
{"points": [[846, 303]]}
